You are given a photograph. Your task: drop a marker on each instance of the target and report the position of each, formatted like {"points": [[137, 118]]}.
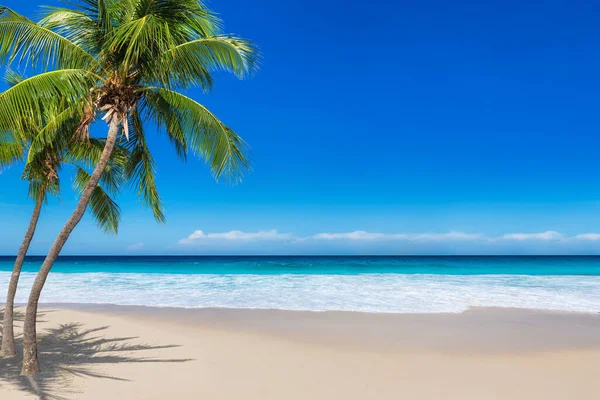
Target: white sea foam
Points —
{"points": [[369, 292]]}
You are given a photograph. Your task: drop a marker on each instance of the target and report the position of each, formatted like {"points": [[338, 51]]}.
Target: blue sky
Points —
{"points": [[380, 127]]}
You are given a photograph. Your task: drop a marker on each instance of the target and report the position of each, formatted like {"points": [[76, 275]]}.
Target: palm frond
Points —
{"points": [[162, 114], [32, 45], [58, 130], [102, 11], [86, 154], [87, 24], [104, 209], [138, 41], [206, 135], [140, 169], [187, 19], [26, 101], [192, 62], [75, 26], [11, 150], [12, 78], [40, 189]]}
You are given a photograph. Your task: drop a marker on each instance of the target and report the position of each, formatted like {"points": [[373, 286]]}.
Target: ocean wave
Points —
{"points": [[395, 293]]}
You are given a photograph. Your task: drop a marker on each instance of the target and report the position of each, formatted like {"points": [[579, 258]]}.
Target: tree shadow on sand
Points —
{"points": [[19, 317], [70, 351]]}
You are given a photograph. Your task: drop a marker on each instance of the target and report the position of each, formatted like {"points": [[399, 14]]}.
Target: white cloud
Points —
{"points": [[588, 236], [363, 235], [454, 238], [356, 235], [452, 235], [199, 235], [137, 246], [548, 235]]}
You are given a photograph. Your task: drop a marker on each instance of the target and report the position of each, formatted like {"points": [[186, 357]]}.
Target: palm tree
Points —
{"points": [[42, 173], [127, 60]]}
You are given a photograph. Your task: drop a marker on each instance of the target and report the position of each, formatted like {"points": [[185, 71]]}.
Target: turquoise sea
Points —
{"points": [[372, 284]]}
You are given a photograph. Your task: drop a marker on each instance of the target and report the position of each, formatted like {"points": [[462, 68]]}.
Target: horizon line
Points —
{"points": [[312, 255]]}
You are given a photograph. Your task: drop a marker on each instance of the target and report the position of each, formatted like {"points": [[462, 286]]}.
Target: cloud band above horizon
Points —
{"points": [[199, 236]]}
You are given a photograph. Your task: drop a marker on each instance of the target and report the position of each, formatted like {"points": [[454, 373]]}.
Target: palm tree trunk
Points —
{"points": [[30, 356], [8, 335]]}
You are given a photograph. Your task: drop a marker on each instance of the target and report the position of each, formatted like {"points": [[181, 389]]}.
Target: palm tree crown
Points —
{"points": [[127, 59], [43, 168]]}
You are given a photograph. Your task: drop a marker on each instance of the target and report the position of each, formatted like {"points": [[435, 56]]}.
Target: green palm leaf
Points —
{"points": [[186, 18], [33, 45], [104, 209], [194, 60], [139, 40], [140, 169], [12, 77], [28, 98], [53, 133], [205, 134], [40, 189], [11, 150], [75, 26], [86, 154]]}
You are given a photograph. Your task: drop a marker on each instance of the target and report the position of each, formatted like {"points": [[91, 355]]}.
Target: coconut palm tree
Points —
{"points": [[128, 61], [42, 174]]}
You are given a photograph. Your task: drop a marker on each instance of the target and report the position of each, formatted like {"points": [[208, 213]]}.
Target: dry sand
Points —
{"points": [[115, 352]]}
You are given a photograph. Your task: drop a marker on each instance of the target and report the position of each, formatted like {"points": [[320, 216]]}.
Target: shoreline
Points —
{"points": [[167, 307], [92, 351]]}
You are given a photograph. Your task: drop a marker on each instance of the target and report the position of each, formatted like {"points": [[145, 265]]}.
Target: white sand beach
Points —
{"points": [[99, 352]]}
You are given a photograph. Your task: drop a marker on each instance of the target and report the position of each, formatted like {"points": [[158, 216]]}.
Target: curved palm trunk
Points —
{"points": [[30, 357], [8, 335]]}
